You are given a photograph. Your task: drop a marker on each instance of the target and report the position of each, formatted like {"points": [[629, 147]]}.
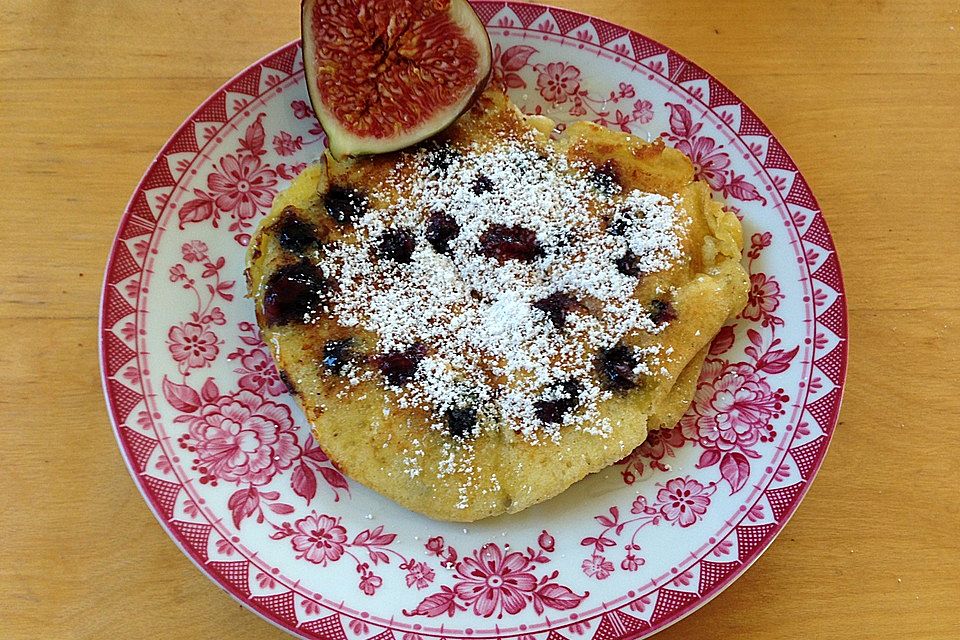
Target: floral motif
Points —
{"points": [[192, 346], [596, 566], [732, 407], [763, 298], [680, 502], [257, 370], [506, 64], [244, 438], [194, 251], [178, 272], [419, 574], [286, 145], [259, 373], [631, 562], [434, 546], [242, 185], [558, 82], [322, 539], [369, 583], [660, 443], [301, 110], [289, 172], [492, 581], [643, 111], [759, 242], [684, 500], [319, 539], [711, 163], [546, 541]]}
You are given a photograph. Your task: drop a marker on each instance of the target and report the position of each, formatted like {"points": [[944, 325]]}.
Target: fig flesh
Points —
{"points": [[386, 74]]}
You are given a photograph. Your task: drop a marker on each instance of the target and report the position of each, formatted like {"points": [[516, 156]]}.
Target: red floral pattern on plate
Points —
{"points": [[771, 386], [734, 406], [319, 539], [679, 502], [258, 373], [192, 345], [710, 162], [492, 581]]}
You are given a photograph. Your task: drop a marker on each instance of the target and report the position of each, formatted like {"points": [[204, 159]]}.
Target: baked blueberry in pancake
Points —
{"points": [[476, 323]]}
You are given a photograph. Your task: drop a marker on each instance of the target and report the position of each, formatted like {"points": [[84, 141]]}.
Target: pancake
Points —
{"points": [[474, 324]]}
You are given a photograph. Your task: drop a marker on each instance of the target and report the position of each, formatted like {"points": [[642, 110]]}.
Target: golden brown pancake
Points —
{"points": [[475, 324]]}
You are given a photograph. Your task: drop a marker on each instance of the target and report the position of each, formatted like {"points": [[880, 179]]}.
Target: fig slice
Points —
{"points": [[386, 74]]}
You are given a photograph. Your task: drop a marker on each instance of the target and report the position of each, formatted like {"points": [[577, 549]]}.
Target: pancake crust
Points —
{"points": [[399, 452]]}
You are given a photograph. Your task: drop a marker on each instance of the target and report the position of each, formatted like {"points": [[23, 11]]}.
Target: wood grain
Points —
{"points": [[865, 97]]}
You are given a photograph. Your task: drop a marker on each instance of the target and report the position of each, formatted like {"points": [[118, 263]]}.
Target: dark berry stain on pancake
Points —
{"points": [[293, 292], [606, 178], [510, 243], [616, 366], [557, 306], [397, 245], [662, 311], [399, 367], [441, 229], [440, 156], [629, 264], [481, 185], [565, 396], [345, 204], [285, 379], [337, 354], [293, 233], [461, 421]]}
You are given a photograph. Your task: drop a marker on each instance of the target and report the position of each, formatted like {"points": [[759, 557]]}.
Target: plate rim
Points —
{"points": [[270, 616]]}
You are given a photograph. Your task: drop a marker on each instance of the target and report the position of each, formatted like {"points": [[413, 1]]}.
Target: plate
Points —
{"points": [[224, 457]]}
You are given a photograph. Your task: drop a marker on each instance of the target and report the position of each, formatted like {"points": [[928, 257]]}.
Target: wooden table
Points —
{"points": [[864, 95]]}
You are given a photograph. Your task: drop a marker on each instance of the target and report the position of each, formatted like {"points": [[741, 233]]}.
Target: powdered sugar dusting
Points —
{"points": [[489, 342]]}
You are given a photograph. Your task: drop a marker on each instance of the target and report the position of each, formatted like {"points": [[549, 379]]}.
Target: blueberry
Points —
{"points": [[615, 366], [441, 229], [293, 233], [553, 411], [345, 204], [397, 245], [440, 155], [629, 264], [337, 354], [510, 243], [292, 292], [482, 184], [461, 421], [617, 225]]}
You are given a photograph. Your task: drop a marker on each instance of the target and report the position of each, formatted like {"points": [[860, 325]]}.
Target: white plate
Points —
{"points": [[224, 457]]}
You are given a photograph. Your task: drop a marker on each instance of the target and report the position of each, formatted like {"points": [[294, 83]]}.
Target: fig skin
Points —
{"points": [[343, 143]]}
